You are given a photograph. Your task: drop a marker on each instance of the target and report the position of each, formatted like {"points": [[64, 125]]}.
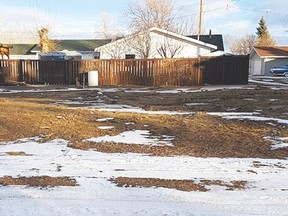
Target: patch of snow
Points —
{"points": [[231, 109], [268, 83], [86, 103], [131, 109], [4, 91], [141, 90], [249, 99], [172, 91], [267, 192], [203, 88], [104, 119], [248, 116], [109, 90], [258, 118], [140, 137], [105, 127], [277, 142], [195, 104], [224, 114], [129, 123], [69, 102]]}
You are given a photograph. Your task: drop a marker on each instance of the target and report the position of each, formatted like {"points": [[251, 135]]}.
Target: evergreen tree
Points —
{"points": [[263, 36]]}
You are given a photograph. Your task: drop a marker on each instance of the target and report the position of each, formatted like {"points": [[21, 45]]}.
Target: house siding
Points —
{"points": [[24, 57]]}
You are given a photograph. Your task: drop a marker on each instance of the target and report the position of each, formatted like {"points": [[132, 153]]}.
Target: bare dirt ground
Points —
{"points": [[197, 134]]}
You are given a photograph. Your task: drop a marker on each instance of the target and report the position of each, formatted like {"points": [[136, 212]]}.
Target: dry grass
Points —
{"points": [[38, 181], [17, 153], [183, 185]]}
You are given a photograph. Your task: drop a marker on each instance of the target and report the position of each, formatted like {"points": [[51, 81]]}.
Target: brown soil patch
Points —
{"points": [[25, 115], [39, 181], [183, 185], [233, 185]]}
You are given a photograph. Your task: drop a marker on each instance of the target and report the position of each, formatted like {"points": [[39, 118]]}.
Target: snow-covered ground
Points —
{"points": [[267, 192]]}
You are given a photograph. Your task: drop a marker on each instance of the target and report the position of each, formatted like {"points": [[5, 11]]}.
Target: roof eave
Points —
{"points": [[273, 56]]}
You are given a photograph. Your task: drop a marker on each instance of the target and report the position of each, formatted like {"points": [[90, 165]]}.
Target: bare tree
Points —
{"points": [[115, 50], [242, 45], [45, 43], [146, 14], [108, 31], [141, 43], [168, 48], [108, 28], [43, 28]]}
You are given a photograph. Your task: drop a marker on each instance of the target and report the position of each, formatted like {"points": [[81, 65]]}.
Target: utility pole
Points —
{"points": [[200, 19]]}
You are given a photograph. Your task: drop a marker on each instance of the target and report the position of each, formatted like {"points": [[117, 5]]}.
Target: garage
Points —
{"points": [[262, 59]]}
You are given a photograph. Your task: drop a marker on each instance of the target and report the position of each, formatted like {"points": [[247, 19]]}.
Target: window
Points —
{"points": [[130, 56], [96, 55]]}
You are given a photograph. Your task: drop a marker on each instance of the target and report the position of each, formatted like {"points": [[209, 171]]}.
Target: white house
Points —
{"points": [[262, 59], [155, 43]]}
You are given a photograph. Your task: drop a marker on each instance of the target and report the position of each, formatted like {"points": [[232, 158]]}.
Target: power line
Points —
{"points": [[229, 7], [263, 11]]}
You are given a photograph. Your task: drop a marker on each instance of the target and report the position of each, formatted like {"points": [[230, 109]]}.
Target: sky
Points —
{"points": [[76, 19]]}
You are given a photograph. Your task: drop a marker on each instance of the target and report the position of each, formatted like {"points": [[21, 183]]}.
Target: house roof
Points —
{"points": [[165, 32], [22, 49], [275, 51], [80, 45], [215, 39], [71, 45], [182, 37]]}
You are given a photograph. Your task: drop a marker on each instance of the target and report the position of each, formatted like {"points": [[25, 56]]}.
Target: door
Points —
{"points": [[256, 67]]}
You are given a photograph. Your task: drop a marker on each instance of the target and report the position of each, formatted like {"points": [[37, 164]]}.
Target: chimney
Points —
{"points": [[210, 33]]}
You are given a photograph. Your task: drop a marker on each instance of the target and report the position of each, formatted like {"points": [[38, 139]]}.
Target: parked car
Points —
{"points": [[280, 71]]}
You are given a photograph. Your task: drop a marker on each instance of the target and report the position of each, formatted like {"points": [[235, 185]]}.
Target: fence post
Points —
{"points": [[20, 71]]}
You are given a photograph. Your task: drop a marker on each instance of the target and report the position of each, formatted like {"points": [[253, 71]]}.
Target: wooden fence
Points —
{"points": [[148, 72]]}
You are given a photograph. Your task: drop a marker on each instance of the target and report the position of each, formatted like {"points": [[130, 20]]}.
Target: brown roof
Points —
{"points": [[274, 51]]}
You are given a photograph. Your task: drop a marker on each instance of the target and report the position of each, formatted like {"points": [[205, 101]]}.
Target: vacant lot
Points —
{"points": [[248, 122]]}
